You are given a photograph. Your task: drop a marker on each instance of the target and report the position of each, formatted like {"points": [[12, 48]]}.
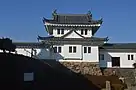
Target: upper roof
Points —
{"points": [[72, 19]]}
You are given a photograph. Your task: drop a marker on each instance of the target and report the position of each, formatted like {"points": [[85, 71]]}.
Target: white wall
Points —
{"points": [[41, 53], [66, 30], [23, 51], [64, 55], [93, 56], [89, 32], [77, 55], [124, 62]]}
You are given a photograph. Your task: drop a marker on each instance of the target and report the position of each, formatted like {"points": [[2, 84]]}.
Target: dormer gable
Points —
{"points": [[72, 34]]}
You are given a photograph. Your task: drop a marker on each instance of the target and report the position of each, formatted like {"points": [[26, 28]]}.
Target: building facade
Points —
{"points": [[71, 38]]}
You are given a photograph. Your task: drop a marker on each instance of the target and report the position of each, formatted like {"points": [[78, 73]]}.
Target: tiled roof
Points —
{"points": [[78, 40], [82, 41], [72, 39], [28, 44], [119, 46], [72, 19]]}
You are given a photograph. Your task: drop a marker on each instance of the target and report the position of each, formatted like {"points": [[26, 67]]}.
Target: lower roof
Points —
{"points": [[104, 46], [29, 44], [119, 46], [52, 38]]}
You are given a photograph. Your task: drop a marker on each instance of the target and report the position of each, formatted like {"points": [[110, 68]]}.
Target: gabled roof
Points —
{"points": [[119, 46], [87, 39], [72, 19], [82, 41]]}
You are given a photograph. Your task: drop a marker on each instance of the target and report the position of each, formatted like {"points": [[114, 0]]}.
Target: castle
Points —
{"points": [[72, 39]]}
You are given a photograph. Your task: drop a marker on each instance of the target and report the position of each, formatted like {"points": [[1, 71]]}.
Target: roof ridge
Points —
{"points": [[71, 14], [122, 43]]}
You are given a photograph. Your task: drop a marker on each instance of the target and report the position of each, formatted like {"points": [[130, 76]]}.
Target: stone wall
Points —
{"points": [[83, 67], [126, 73]]}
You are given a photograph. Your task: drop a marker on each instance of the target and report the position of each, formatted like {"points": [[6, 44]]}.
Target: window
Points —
{"points": [[85, 31], [89, 49], [55, 49], [128, 57], [58, 31], [35, 52], [70, 49], [74, 49], [59, 49], [85, 49], [132, 57], [62, 31], [82, 31], [101, 56]]}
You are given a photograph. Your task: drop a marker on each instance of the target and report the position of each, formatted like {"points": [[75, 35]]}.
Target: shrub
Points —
{"points": [[6, 44]]}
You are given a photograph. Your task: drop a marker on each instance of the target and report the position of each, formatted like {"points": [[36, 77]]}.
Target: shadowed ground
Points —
{"points": [[14, 66]]}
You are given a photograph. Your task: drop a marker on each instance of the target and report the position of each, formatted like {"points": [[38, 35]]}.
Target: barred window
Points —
{"points": [[70, 49], [85, 49]]}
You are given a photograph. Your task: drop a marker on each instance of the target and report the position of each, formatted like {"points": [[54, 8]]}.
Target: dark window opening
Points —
{"points": [[70, 49], [101, 56], [59, 49], [85, 31], [85, 49], [74, 49], [89, 49], [82, 31], [58, 31], [35, 52], [132, 57], [62, 31], [55, 49], [128, 57], [115, 61]]}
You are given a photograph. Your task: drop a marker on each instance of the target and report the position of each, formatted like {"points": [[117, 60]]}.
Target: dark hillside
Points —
{"points": [[13, 67]]}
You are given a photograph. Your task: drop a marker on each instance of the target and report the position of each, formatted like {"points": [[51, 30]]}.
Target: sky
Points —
{"points": [[21, 20]]}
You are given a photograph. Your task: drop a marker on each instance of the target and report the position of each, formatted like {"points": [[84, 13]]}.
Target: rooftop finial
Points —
{"points": [[107, 38], [101, 20], [54, 12], [89, 12]]}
